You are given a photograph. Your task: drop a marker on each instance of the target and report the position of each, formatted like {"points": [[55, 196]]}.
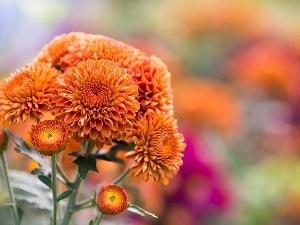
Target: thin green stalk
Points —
{"points": [[64, 179], [83, 207], [71, 207], [98, 219], [54, 188], [71, 203], [119, 180], [10, 190], [84, 202]]}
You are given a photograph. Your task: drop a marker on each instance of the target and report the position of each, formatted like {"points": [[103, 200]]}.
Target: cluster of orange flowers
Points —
{"points": [[102, 89]]}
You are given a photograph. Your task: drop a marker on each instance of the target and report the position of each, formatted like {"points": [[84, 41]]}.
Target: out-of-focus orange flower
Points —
{"points": [[112, 199], [50, 136], [268, 65], [159, 146], [150, 73], [27, 93], [97, 100], [207, 103], [204, 16]]}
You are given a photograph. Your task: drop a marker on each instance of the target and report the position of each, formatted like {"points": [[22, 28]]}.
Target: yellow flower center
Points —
{"points": [[112, 199], [49, 136]]}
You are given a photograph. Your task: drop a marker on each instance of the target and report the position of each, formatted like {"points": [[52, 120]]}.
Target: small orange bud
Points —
{"points": [[112, 199], [49, 136]]}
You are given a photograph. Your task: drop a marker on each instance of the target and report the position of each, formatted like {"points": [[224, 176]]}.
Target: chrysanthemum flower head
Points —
{"points": [[49, 136], [112, 199], [27, 93], [97, 100], [159, 146], [69, 49], [57, 48], [154, 81], [149, 73]]}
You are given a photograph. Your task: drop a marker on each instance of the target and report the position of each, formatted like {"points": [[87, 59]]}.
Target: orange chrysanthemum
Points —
{"points": [[150, 73], [154, 81], [112, 199], [27, 93], [97, 100], [69, 49], [49, 136], [159, 146], [57, 48], [224, 115]]}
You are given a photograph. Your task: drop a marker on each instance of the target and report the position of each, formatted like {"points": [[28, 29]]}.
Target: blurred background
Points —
{"points": [[236, 76]]}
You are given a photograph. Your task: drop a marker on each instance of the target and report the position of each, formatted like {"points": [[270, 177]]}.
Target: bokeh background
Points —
{"points": [[236, 76]]}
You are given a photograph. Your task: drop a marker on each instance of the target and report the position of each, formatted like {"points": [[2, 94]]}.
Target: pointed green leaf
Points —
{"points": [[138, 210], [91, 222], [45, 179], [65, 194], [85, 163]]}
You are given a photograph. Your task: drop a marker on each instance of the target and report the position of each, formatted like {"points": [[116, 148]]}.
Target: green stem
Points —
{"points": [[119, 180], [84, 202], [71, 203], [10, 190], [54, 188], [71, 207], [64, 177], [98, 219], [84, 207]]}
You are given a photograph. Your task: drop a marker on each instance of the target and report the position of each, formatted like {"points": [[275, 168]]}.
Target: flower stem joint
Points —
{"points": [[112, 199]]}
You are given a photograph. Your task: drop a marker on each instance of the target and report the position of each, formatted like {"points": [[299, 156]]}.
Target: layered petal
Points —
{"points": [[27, 93], [150, 73], [97, 100], [159, 146]]}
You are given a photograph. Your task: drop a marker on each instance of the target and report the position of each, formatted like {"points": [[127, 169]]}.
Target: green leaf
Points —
{"points": [[138, 210], [45, 179], [91, 222], [85, 163], [23, 148], [65, 194], [28, 188]]}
